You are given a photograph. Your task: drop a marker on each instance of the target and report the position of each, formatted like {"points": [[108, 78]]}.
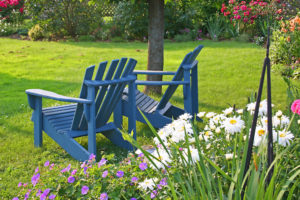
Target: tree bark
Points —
{"points": [[155, 43]]}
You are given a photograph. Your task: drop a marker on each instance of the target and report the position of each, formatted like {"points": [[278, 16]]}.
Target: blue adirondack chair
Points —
{"points": [[91, 111], [161, 113]]}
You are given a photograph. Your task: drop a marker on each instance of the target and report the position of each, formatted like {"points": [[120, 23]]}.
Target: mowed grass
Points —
{"points": [[228, 72]]}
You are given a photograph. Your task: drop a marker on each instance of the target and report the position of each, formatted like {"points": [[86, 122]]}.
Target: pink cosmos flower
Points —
{"points": [[296, 107]]}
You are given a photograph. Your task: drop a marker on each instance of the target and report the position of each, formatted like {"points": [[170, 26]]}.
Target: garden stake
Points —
{"points": [[254, 122]]}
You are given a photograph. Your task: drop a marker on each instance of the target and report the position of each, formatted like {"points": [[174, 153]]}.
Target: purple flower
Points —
{"points": [[25, 184], [74, 172], [163, 182], [141, 155], [102, 162], [84, 190], [84, 170], [20, 184], [143, 166], [15, 198], [134, 179], [27, 195], [159, 186], [153, 194], [36, 170], [71, 179], [39, 193], [45, 194], [133, 198], [180, 149], [47, 163], [92, 157], [35, 178], [104, 174], [104, 196], [82, 165], [51, 166], [66, 169], [52, 196], [120, 174]]}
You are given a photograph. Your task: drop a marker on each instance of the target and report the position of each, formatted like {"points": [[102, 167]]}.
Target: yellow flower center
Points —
{"points": [[233, 121], [207, 133], [266, 121], [282, 135], [261, 132]]}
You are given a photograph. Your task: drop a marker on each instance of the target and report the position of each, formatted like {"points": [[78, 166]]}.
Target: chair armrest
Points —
{"points": [[54, 96], [161, 82], [151, 72], [190, 66], [129, 78]]}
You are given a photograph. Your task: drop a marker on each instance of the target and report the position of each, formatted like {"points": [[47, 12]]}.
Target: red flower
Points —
{"points": [[21, 10], [246, 13], [227, 13], [245, 20], [243, 7], [231, 1], [279, 11]]}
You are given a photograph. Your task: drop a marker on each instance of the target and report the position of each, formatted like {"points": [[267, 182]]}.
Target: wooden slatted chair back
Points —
{"points": [[188, 59], [107, 96]]}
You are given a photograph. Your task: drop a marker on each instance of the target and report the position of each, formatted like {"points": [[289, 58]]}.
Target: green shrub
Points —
{"points": [[69, 17], [131, 19], [243, 38], [215, 26], [117, 39], [36, 33], [86, 38], [183, 37], [285, 48]]}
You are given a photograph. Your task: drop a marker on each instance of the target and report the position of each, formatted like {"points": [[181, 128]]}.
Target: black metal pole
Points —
{"points": [[270, 131], [254, 122]]}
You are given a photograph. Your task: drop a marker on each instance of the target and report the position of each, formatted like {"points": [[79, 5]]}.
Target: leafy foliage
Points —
{"points": [[65, 17]]}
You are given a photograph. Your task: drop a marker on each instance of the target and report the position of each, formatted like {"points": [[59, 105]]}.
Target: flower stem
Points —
{"points": [[291, 121]]}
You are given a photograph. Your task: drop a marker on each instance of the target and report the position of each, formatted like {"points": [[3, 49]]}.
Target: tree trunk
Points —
{"points": [[155, 43]]}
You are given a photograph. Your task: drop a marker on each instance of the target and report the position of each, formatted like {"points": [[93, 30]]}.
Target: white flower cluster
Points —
{"points": [[217, 128]]}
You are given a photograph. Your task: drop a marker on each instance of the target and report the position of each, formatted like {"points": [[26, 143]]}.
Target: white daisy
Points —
{"points": [[194, 154], [228, 111], [298, 121], [240, 111], [262, 108], [284, 137], [147, 184], [260, 135], [233, 124], [279, 113], [205, 135], [218, 130], [210, 115], [281, 122], [185, 116], [163, 159], [229, 156], [201, 114]]}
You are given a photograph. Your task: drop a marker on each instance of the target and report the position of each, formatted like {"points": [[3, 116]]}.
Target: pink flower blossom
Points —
{"points": [[296, 107]]}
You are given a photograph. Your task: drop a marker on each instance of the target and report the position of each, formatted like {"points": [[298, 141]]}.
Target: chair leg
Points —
{"points": [[38, 122], [187, 96], [194, 90], [90, 112], [132, 106]]}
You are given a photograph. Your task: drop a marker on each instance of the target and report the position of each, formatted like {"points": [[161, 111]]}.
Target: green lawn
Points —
{"points": [[229, 72]]}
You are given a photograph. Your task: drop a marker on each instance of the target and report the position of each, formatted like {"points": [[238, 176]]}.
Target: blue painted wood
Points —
{"points": [[91, 122], [162, 112], [118, 119], [194, 89], [149, 72], [176, 83], [54, 96], [38, 125], [83, 94], [58, 122]]}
